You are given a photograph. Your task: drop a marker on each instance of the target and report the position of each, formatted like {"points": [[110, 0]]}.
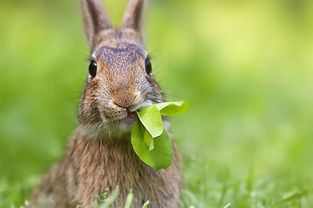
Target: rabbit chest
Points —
{"points": [[96, 165]]}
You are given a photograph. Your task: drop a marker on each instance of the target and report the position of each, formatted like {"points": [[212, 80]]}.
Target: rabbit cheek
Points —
{"points": [[88, 112]]}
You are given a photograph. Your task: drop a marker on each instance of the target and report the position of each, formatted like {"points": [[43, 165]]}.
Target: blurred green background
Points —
{"points": [[245, 66]]}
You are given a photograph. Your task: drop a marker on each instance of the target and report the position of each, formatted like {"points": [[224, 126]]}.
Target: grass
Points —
{"points": [[244, 66]]}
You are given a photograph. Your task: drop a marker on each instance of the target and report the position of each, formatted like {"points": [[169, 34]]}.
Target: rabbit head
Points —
{"points": [[119, 75]]}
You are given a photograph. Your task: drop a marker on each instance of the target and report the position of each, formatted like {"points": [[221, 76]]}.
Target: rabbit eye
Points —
{"points": [[93, 69], [148, 65]]}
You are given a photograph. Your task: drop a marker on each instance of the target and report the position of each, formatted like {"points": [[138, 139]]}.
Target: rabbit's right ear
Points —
{"points": [[95, 19]]}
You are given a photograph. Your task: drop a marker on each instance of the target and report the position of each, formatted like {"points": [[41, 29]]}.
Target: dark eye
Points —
{"points": [[148, 66], [93, 69]]}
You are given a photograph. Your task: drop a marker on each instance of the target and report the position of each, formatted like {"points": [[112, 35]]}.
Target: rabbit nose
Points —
{"points": [[123, 100], [124, 103], [123, 94]]}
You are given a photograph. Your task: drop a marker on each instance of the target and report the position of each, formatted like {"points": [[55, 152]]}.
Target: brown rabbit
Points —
{"points": [[99, 154]]}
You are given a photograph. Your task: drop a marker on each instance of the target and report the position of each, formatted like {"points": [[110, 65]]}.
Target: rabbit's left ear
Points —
{"points": [[132, 15], [95, 19]]}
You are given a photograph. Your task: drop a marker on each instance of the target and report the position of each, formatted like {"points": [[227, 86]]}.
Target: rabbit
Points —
{"points": [[99, 155]]}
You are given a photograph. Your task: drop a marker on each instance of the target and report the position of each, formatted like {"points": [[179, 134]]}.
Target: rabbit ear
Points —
{"points": [[95, 19], [132, 15]]}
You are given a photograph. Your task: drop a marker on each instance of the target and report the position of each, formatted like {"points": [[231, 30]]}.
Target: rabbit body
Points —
{"points": [[100, 155], [90, 166]]}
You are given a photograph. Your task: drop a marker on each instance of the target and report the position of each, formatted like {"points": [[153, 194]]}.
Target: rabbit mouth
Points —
{"points": [[130, 118], [117, 126]]}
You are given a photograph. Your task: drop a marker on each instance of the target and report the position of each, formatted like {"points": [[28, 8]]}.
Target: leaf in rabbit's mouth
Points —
{"points": [[149, 138], [129, 119]]}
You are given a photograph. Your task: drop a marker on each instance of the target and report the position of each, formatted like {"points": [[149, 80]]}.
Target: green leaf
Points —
{"points": [[151, 119], [160, 156], [172, 108], [148, 140]]}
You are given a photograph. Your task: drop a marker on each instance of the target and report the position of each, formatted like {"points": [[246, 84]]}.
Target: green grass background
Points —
{"points": [[245, 66]]}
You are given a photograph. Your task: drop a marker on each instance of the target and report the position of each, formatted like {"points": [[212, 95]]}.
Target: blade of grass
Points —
{"points": [[292, 197], [129, 199]]}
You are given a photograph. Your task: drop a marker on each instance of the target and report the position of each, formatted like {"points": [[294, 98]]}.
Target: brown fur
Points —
{"points": [[100, 155], [90, 166]]}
